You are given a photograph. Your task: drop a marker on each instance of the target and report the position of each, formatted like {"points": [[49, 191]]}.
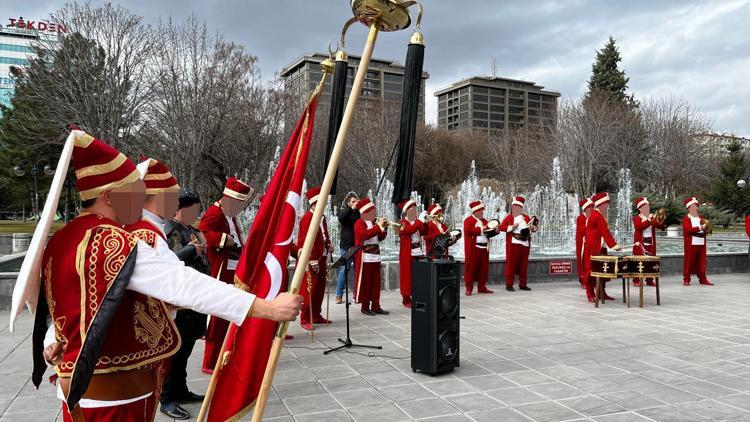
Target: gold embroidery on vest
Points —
{"points": [[147, 236], [149, 325]]}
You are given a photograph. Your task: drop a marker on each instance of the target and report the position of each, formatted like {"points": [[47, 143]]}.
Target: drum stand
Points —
{"points": [[344, 260]]}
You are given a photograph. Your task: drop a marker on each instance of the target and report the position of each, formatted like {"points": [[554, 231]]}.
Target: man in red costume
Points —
{"points": [[476, 254], [435, 226], [518, 229], [644, 234], [410, 240], [315, 287], [586, 207], [161, 202], [598, 238], [223, 249], [747, 225], [694, 240], [105, 293], [367, 260]]}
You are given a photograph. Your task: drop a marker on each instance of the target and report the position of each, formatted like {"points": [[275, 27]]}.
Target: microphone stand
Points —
{"points": [[344, 260]]}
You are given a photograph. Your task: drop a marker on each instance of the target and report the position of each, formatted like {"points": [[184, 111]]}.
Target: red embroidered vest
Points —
{"points": [[79, 265]]}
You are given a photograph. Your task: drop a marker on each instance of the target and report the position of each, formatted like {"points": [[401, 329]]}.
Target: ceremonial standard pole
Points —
{"points": [[385, 15]]}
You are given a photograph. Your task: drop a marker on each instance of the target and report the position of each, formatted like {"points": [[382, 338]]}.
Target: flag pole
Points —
{"points": [[224, 344], [325, 189]]}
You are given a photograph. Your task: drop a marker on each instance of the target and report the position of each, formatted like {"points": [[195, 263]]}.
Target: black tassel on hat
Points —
{"points": [[409, 110], [338, 89]]}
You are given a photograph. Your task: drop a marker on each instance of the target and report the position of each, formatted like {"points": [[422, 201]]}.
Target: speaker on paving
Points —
{"points": [[435, 315]]}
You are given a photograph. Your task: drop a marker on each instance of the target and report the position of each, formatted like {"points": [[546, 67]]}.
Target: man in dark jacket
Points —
{"points": [[348, 215], [187, 243]]}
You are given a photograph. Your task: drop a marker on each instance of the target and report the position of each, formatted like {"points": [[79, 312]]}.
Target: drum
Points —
{"points": [[491, 231], [455, 234], [643, 266], [605, 266]]}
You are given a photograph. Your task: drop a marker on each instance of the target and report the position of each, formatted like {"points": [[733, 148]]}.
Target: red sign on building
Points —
{"points": [[41, 26], [560, 267]]}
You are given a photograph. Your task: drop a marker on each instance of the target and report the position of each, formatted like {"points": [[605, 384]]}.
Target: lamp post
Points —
{"points": [[20, 169]]}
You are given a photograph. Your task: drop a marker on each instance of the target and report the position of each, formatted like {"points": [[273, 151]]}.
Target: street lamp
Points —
{"points": [[741, 183], [20, 170]]}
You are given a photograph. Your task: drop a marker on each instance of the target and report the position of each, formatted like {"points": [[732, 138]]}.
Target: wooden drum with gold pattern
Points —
{"points": [[643, 266], [604, 266]]}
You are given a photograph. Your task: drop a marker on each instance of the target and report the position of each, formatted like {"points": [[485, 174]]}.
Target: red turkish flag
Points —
{"points": [[262, 270]]}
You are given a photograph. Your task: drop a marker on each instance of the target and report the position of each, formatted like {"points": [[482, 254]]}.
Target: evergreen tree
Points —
{"points": [[607, 78], [726, 194]]}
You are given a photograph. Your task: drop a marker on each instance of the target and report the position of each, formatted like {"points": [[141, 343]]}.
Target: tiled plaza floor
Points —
{"points": [[545, 355]]}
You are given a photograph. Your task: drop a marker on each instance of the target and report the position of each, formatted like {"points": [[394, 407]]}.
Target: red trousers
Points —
{"points": [[477, 268], [137, 411], [313, 298], [588, 281], [517, 262], [649, 250], [367, 286], [695, 263]]}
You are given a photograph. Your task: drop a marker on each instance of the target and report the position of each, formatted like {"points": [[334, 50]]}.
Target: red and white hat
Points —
{"points": [[312, 195], [476, 206], [157, 176], [99, 167], [407, 205], [641, 201], [365, 205], [237, 189], [600, 198], [585, 204], [519, 200], [434, 209], [691, 201]]}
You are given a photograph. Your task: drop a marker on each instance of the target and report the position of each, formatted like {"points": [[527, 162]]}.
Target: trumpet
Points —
{"points": [[439, 218], [385, 223]]}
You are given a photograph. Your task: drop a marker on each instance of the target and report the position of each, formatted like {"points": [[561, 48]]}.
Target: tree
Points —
{"points": [[726, 194], [606, 77]]}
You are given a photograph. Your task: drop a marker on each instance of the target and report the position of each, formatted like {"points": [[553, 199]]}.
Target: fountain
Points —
{"points": [[556, 218], [623, 224]]}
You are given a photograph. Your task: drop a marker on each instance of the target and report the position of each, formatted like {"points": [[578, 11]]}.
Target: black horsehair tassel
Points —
{"points": [[338, 89], [409, 111]]}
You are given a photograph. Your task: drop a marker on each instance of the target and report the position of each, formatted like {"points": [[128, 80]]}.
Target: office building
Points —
{"points": [[383, 83], [496, 106]]}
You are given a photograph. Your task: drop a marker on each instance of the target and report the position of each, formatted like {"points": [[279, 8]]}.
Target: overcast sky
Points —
{"points": [[696, 50]]}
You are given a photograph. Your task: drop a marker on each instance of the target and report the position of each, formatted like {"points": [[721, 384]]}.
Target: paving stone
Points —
{"points": [[350, 399], [527, 377], [556, 390], [505, 415], [378, 413], [311, 404], [547, 411], [473, 402], [591, 406], [427, 408], [515, 396], [399, 393]]}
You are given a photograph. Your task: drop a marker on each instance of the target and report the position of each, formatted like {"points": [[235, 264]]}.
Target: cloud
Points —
{"points": [[697, 50]]}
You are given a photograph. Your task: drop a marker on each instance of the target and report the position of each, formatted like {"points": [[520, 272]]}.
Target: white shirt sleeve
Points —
{"points": [[162, 248], [49, 336], [185, 287]]}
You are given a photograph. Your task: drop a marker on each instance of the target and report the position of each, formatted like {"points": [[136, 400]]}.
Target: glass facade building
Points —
{"points": [[15, 50]]}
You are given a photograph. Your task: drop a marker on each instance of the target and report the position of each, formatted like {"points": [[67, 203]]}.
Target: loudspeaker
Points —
{"points": [[435, 315]]}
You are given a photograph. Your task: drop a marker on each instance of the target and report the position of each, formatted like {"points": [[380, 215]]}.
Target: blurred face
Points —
{"points": [[693, 209], [411, 214], [232, 206], [369, 215], [646, 209], [479, 214], [189, 215], [353, 202], [165, 204], [127, 201], [587, 211], [603, 208], [516, 210]]}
